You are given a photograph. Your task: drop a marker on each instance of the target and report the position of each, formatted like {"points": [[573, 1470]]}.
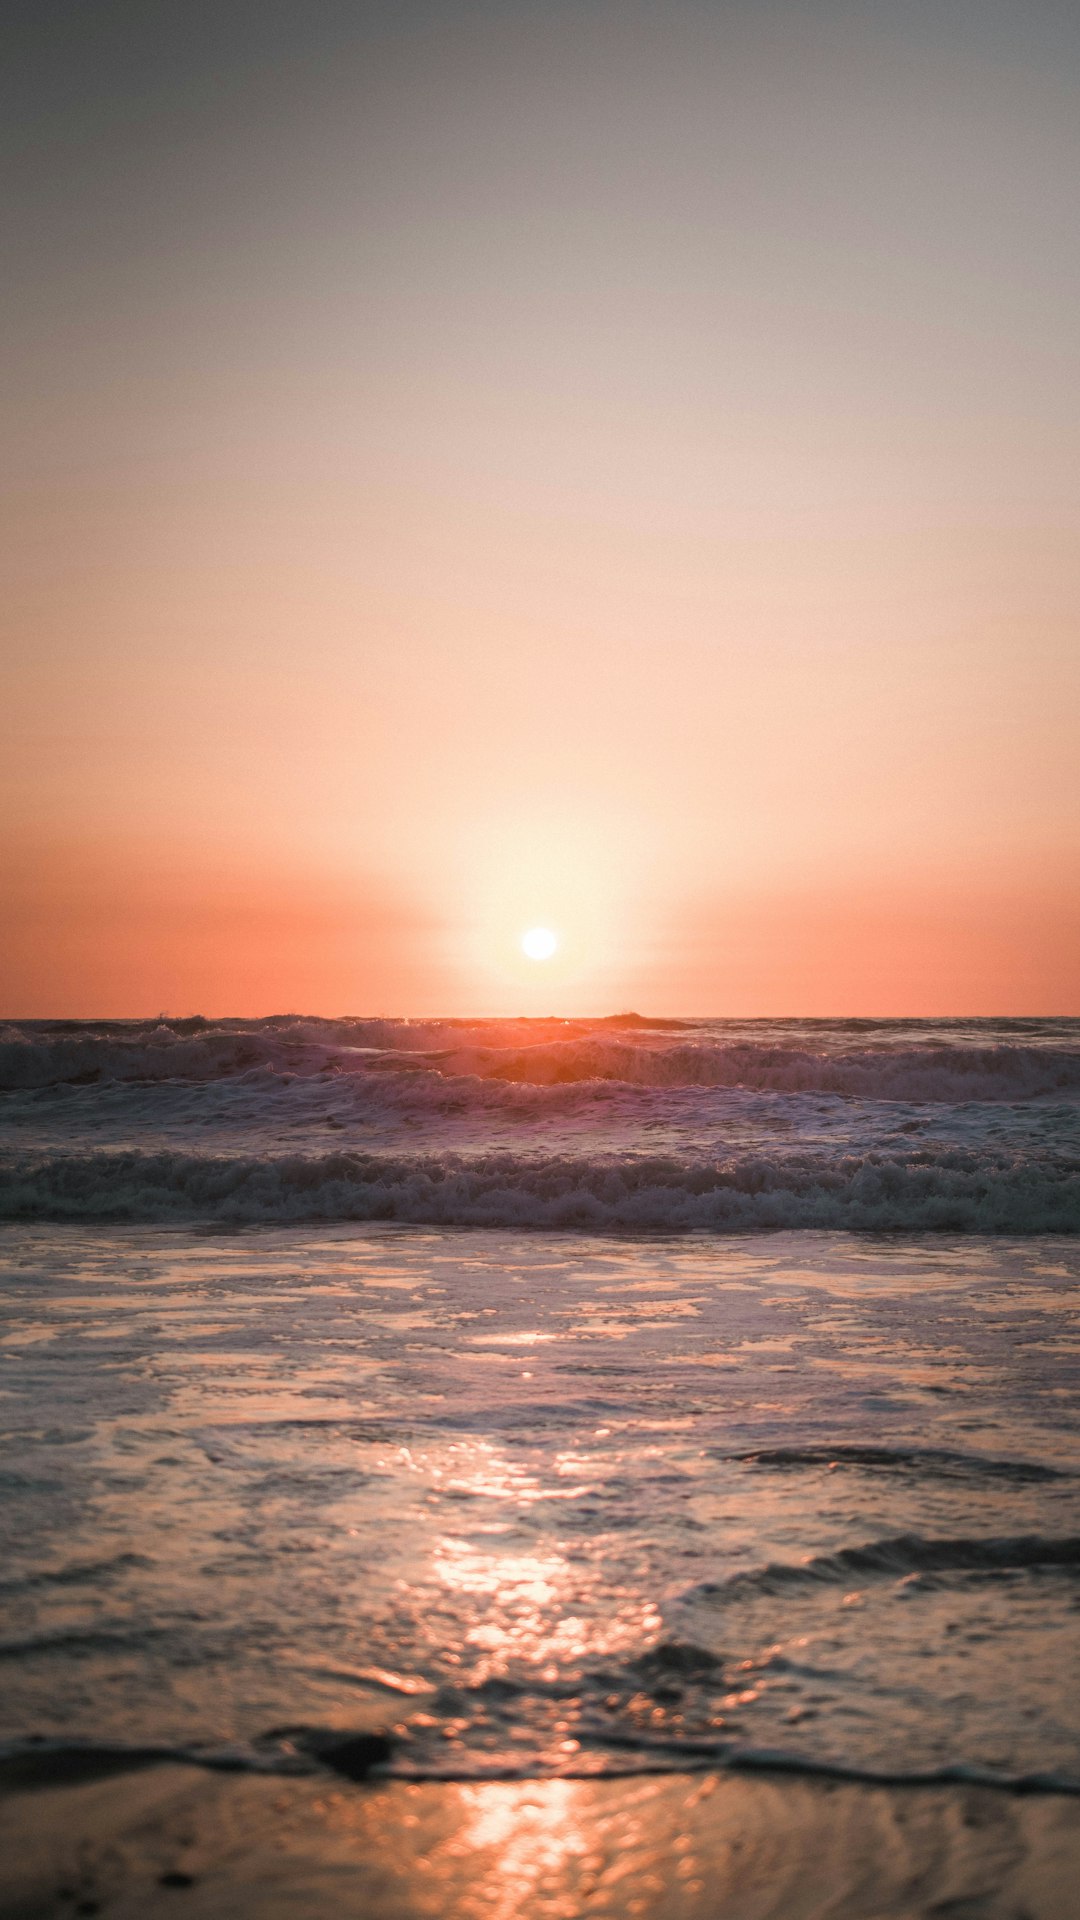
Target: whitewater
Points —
{"points": [[606, 1125]]}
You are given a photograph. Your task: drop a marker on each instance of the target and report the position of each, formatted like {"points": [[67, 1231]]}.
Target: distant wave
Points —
{"points": [[935, 1189], [547, 1054], [984, 1073]]}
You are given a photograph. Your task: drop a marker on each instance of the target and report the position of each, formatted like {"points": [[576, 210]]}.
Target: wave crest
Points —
{"points": [[947, 1189], [548, 1054]]}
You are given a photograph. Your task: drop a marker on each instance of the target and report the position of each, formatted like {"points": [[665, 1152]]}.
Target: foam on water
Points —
{"points": [[614, 1125], [767, 1455], [898, 1059], [945, 1189]]}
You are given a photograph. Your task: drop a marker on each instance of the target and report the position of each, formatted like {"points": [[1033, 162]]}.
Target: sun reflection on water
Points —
{"points": [[535, 1848], [535, 1603]]}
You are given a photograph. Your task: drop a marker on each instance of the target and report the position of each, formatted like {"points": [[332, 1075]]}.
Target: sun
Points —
{"points": [[539, 943]]}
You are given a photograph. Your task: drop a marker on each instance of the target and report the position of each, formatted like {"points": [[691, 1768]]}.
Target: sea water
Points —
{"points": [[552, 1398]]}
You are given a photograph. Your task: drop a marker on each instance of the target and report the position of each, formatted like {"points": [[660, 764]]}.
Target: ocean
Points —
{"points": [[542, 1399]]}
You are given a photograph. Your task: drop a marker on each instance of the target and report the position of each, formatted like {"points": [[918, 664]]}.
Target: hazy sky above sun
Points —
{"points": [[607, 468]]}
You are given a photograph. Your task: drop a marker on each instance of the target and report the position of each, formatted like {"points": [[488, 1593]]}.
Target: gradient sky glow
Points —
{"points": [[598, 466]]}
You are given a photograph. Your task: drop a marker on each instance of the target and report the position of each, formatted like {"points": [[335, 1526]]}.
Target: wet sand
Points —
{"points": [[180, 1842]]}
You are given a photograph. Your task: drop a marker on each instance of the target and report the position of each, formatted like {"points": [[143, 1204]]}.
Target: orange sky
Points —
{"points": [[593, 465]]}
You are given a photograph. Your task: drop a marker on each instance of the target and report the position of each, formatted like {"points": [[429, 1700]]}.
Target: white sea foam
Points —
{"points": [[899, 1060], [975, 1073], [603, 1125], [947, 1189]]}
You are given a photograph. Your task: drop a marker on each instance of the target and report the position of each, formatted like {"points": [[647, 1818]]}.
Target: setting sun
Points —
{"points": [[540, 959], [539, 943]]}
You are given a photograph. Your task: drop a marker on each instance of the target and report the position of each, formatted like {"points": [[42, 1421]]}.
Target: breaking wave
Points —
{"points": [[996, 1061], [921, 1074], [950, 1189]]}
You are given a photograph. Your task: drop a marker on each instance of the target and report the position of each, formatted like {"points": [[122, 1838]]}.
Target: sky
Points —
{"points": [[609, 467]]}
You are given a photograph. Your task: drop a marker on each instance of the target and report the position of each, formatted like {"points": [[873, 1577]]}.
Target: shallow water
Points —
{"points": [[543, 1503]]}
